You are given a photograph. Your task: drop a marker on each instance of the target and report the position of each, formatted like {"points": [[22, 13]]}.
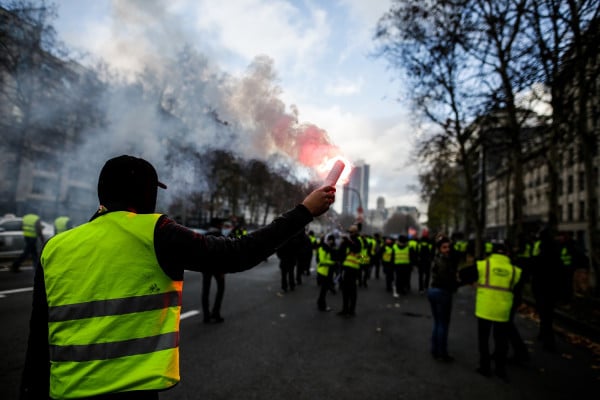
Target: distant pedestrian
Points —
{"points": [[62, 224], [214, 314], [288, 258], [325, 271], [32, 232], [387, 263], [350, 275], [424, 260], [546, 275], [376, 258], [304, 256], [444, 282], [403, 263]]}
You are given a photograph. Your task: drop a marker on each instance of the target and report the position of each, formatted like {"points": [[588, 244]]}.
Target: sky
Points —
{"points": [[322, 58]]}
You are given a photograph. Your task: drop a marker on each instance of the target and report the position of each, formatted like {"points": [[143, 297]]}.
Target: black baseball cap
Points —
{"points": [[128, 182]]}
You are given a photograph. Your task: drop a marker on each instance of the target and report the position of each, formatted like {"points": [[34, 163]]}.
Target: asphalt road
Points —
{"points": [[279, 346]]}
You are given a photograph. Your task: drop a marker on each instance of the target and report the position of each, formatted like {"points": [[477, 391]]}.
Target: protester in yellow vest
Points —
{"points": [[113, 286], [61, 224], [387, 262], [496, 279], [350, 275], [325, 269], [403, 256], [32, 232]]}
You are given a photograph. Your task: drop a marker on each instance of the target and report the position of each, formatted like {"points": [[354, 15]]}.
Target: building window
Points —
{"points": [[41, 186], [570, 157], [582, 210], [560, 214], [570, 184], [570, 212], [581, 181], [560, 187]]}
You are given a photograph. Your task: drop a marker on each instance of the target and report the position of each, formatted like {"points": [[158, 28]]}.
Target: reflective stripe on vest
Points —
{"points": [[402, 256], [565, 256], [497, 277], [352, 261], [325, 262], [29, 222], [113, 321], [536, 248]]}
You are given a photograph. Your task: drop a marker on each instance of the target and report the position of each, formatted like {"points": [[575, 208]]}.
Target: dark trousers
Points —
{"points": [[545, 302], [364, 274], [403, 272], [287, 274], [377, 266], [388, 271], [349, 290], [441, 309], [499, 330], [29, 250], [206, 282], [326, 284], [424, 276], [515, 340], [303, 267]]}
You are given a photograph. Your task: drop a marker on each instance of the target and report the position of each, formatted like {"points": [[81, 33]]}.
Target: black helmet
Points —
{"points": [[128, 182]]}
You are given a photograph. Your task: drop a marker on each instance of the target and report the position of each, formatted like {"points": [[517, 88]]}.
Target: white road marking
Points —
{"points": [[190, 313]]}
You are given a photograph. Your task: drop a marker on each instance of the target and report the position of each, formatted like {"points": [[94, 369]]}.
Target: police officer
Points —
{"points": [[32, 232], [113, 287]]}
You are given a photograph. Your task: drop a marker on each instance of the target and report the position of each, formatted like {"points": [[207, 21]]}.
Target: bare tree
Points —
{"points": [[428, 42]]}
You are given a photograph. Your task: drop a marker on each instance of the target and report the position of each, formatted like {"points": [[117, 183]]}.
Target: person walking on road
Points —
{"points": [[325, 270], [107, 295], [288, 258], [424, 259], [496, 279], [444, 282], [350, 275], [32, 232]]}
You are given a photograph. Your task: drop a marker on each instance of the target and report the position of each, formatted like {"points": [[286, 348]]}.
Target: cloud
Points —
{"points": [[279, 29], [343, 87]]}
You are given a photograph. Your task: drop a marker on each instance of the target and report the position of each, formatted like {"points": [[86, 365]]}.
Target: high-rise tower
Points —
{"points": [[356, 191]]}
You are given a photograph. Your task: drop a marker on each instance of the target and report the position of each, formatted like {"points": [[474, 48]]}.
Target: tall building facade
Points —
{"points": [[356, 191]]}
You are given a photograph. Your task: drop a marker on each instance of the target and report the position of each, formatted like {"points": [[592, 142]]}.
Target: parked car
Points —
{"points": [[11, 235]]}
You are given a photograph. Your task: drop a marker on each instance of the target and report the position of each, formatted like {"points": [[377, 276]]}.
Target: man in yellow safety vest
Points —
{"points": [[107, 295]]}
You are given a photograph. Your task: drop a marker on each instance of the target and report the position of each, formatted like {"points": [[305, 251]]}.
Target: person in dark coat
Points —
{"points": [[546, 271]]}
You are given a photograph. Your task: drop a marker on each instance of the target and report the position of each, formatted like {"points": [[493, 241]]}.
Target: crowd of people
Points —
{"points": [[543, 262]]}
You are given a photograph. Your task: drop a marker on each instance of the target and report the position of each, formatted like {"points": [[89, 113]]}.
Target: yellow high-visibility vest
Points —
{"points": [[352, 261], [29, 222], [325, 261], [113, 314], [388, 252], [401, 256], [497, 278]]}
